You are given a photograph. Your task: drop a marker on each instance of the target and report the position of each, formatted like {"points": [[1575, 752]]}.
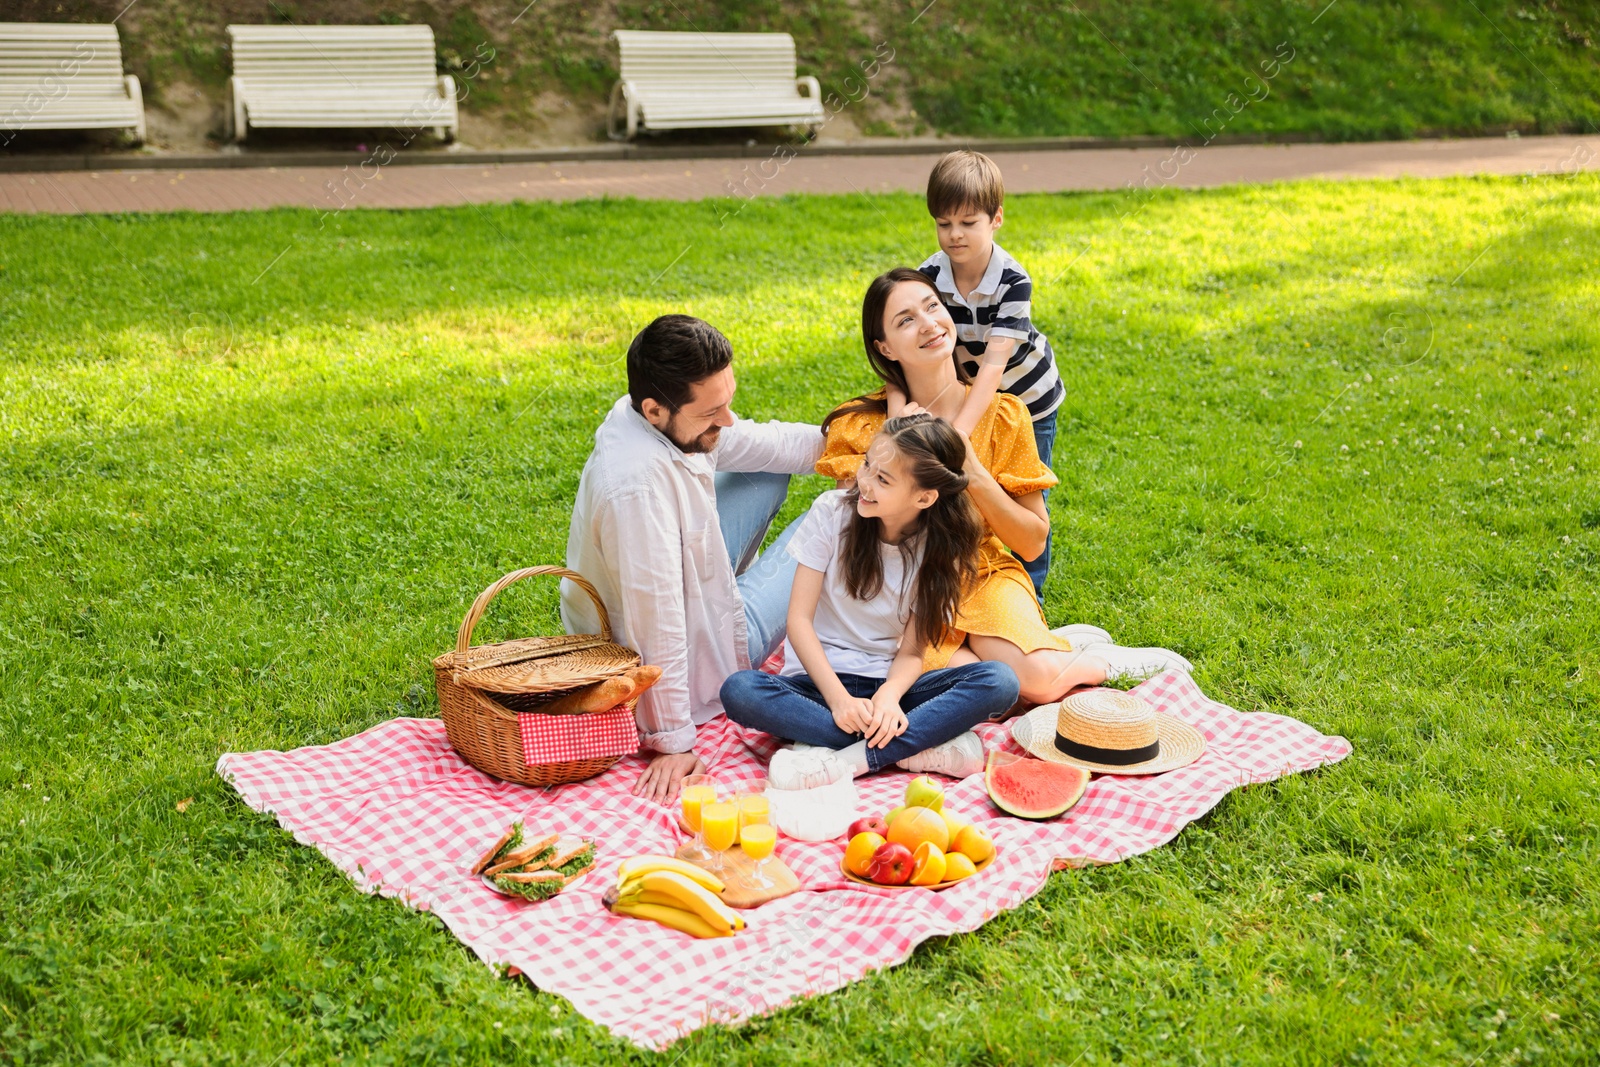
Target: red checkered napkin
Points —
{"points": [[564, 738]]}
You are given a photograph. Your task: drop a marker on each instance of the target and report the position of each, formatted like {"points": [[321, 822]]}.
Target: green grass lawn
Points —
{"points": [[1334, 442]]}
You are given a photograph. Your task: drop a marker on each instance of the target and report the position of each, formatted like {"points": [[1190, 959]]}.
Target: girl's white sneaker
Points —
{"points": [[957, 758], [810, 769]]}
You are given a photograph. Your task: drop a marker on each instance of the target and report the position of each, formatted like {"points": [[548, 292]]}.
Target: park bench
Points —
{"points": [[66, 76], [331, 77], [676, 81]]}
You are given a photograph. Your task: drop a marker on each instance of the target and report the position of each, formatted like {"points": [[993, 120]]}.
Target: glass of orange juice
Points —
{"points": [[757, 840], [753, 807], [698, 791], [719, 821]]}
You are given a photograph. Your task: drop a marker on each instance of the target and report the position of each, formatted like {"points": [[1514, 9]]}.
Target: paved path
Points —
{"points": [[328, 188]]}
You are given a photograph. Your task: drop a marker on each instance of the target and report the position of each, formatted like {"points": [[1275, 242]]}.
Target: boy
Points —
{"points": [[988, 295]]}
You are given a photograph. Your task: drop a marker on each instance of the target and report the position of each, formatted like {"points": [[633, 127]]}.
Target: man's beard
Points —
{"points": [[704, 443]]}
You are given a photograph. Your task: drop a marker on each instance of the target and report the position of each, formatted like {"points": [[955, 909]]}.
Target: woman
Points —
{"points": [[910, 342]]}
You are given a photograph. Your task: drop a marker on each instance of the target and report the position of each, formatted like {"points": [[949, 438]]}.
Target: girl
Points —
{"points": [[882, 568]]}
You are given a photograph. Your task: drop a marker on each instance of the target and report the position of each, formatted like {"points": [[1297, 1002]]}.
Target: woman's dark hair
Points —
{"points": [[670, 355], [873, 308], [947, 534]]}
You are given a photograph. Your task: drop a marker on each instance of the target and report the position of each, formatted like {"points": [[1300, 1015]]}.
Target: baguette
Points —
{"points": [[591, 698], [640, 678]]}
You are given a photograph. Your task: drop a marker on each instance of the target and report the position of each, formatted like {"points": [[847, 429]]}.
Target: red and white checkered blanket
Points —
{"points": [[400, 813]]}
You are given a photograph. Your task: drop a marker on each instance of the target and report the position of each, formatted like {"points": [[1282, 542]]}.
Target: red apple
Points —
{"points": [[891, 865], [874, 825]]}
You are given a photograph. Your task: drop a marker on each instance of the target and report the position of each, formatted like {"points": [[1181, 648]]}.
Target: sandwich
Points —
{"points": [[531, 885], [534, 866], [572, 857], [507, 841], [531, 854]]}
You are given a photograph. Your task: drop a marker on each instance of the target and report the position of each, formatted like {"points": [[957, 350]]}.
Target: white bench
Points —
{"points": [[676, 81], [331, 77], [66, 76]]}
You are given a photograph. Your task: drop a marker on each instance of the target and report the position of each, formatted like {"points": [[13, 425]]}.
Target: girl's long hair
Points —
{"points": [[873, 307], [947, 533]]}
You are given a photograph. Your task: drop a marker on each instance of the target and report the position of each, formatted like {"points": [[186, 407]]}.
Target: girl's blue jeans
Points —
{"points": [[940, 705]]}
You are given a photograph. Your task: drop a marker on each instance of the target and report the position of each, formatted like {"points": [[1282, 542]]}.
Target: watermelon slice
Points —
{"points": [[1033, 788]]}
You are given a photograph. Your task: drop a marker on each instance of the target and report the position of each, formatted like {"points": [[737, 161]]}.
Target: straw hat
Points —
{"points": [[1110, 732]]}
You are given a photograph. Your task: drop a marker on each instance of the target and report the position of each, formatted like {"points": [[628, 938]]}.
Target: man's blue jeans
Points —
{"points": [[746, 506], [939, 705], [1044, 436]]}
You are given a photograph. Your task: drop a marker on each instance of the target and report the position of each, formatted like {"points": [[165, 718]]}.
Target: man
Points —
{"points": [[672, 507]]}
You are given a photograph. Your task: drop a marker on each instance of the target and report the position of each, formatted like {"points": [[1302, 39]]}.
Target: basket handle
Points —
{"points": [[480, 605]]}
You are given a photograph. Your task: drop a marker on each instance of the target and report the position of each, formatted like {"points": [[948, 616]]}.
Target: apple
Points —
{"points": [[924, 792], [873, 825], [891, 865], [889, 818]]}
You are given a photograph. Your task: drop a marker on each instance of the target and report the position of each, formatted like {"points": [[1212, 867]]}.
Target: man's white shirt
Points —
{"points": [[645, 534]]}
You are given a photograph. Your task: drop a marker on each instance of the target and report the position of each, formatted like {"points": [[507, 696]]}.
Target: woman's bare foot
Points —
{"points": [[1072, 669], [1046, 674]]}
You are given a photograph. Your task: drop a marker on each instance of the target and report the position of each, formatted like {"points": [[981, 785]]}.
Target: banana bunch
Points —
{"points": [[675, 894]]}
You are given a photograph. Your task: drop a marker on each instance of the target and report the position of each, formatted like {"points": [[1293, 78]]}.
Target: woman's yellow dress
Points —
{"points": [[1002, 604]]}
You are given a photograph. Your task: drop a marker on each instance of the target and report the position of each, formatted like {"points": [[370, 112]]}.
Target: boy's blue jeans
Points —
{"points": [[940, 705], [1044, 437]]}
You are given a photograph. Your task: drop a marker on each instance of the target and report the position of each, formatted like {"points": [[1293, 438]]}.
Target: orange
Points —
{"points": [[858, 853], [914, 826], [974, 844], [929, 864], [957, 867]]}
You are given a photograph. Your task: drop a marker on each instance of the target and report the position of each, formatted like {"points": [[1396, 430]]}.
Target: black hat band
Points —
{"points": [[1114, 757]]}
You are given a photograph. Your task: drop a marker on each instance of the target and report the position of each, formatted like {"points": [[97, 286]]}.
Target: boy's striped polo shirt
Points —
{"points": [[1000, 307]]}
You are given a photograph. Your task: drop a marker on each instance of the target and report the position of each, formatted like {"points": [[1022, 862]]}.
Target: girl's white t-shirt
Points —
{"points": [[858, 636]]}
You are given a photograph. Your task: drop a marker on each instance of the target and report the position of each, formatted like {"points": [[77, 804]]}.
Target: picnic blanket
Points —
{"points": [[402, 815]]}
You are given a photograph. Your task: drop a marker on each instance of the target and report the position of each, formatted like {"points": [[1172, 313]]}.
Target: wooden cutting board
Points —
{"points": [[736, 865]]}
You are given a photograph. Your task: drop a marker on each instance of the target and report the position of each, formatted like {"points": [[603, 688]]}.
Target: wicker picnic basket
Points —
{"points": [[482, 689]]}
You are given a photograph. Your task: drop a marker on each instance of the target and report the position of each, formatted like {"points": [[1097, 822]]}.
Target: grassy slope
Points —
{"points": [[1334, 442], [1361, 69]]}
